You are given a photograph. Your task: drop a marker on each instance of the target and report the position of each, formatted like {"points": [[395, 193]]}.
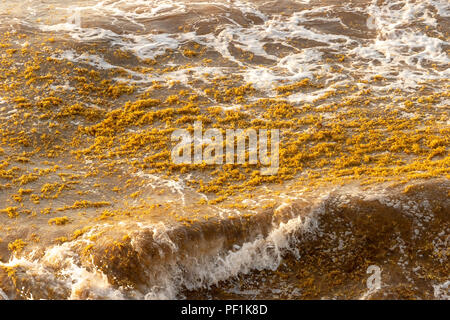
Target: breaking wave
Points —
{"points": [[403, 233]]}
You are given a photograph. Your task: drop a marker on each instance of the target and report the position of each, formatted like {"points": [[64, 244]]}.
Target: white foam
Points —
{"points": [[262, 253], [396, 46], [81, 281], [442, 291]]}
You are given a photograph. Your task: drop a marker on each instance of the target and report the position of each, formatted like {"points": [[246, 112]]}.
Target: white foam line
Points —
{"points": [[262, 253]]}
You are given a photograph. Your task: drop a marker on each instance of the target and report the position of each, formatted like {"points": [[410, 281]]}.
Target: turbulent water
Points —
{"points": [[93, 207]]}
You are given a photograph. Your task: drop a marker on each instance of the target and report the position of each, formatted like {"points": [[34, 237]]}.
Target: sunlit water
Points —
{"points": [[92, 207]]}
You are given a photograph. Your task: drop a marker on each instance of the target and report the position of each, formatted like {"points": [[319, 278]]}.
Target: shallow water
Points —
{"points": [[92, 207]]}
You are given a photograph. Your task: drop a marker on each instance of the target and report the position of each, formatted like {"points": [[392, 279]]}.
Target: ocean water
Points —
{"points": [[93, 207]]}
